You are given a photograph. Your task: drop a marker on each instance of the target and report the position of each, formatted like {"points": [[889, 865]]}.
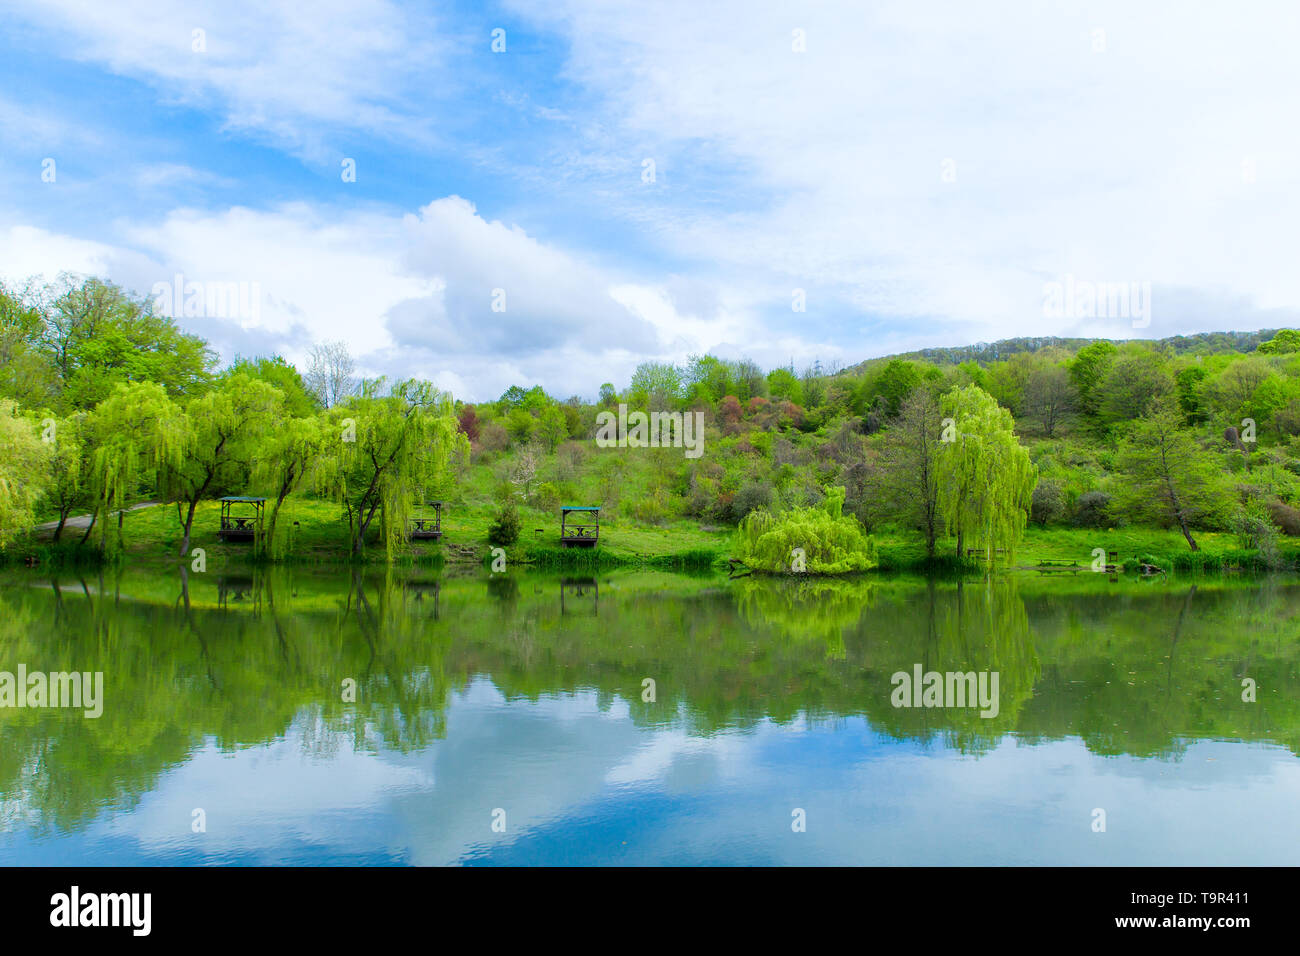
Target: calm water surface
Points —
{"points": [[521, 700]]}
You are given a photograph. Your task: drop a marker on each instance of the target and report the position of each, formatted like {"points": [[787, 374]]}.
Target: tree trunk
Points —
{"points": [[93, 515], [363, 525], [269, 539], [63, 518], [189, 523]]}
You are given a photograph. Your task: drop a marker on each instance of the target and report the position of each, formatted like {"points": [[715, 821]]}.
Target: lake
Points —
{"points": [[295, 716]]}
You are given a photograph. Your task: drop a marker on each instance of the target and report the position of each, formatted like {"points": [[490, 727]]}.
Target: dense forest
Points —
{"points": [[104, 403]]}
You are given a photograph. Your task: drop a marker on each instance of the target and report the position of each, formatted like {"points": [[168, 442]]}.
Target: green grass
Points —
{"points": [[637, 530], [318, 535]]}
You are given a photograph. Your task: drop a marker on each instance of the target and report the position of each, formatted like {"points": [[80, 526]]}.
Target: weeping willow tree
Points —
{"points": [[224, 430], [67, 472], [986, 480], [820, 540], [288, 454], [23, 458], [383, 453], [138, 433]]}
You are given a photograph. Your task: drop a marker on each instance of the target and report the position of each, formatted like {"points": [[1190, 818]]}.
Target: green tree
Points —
{"points": [[283, 459], [99, 336], [707, 377], [138, 433], [388, 451], [299, 400], [1284, 342], [1087, 372], [552, 427], [655, 385], [1048, 397], [783, 383], [23, 457], [520, 425], [26, 373], [225, 430], [67, 476], [1168, 475], [894, 383], [1133, 380], [986, 479], [907, 479]]}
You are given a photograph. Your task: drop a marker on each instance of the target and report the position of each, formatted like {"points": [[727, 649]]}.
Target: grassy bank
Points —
{"points": [[313, 532]]}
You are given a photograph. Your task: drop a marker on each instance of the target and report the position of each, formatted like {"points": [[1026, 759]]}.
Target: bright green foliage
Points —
{"points": [[138, 433], [67, 484], [1169, 477], [99, 336], [384, 453], [783, 383], [26, 372], [274, 370], [655, 385], [22, 471], [284, 458], [225, 430], [895, 382], [831, 542], [1088, 371], [1285, 342], [986, 480], [552, 427]]}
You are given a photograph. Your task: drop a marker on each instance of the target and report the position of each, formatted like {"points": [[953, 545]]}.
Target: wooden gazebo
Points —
{"points": [[584, 530], [245, 526], [426, 523]]}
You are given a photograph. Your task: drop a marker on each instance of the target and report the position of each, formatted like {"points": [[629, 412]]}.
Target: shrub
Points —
{"points": [[493, 437], [651, 509], [548, 496], [1255, 532], [1048, 502], [750, 497], [1092, 510], [831, 542], [1285, 517], [504, 530]]}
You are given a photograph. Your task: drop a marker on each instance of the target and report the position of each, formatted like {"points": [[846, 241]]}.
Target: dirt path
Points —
{"points": [[80, 522]]}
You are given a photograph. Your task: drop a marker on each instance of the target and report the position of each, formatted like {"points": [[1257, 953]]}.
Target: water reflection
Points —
{"points": [[199, 666]]}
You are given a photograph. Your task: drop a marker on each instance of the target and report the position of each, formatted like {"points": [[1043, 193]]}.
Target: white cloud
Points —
{"points": [[270, 66], [1122, 165], [410, 295]]}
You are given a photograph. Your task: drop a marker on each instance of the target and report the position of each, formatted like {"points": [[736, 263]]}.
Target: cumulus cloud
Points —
{"points": [[941, 162], [410, 295], [501, 291], [919, 174]]}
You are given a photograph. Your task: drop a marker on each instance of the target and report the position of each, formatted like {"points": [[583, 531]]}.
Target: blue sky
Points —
{"points": [[921, 170]]}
